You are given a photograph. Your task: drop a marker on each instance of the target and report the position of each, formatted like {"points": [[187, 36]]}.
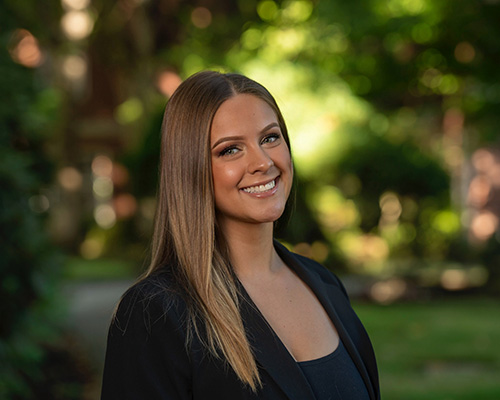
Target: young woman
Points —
{"points": [[224, 311]]}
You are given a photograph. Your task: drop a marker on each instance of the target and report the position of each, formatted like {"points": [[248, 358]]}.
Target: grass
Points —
{"points": [[439, 350], [99, 269]]}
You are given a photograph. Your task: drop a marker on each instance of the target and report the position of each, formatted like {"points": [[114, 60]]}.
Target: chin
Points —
{"points": [[256, 215], [271, 217]]}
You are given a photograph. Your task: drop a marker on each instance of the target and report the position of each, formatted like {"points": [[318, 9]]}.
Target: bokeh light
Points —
{"points": [[105, 216], [296, 11], [201, 17], [74, 67], [483, 160], [102, 166], [75, 4], [458, 277], [453, 156], [103, 187], [267, 10], [167, 82], [483, 225], [400, 8], [39, 203], [77, 25], [446, 221], [125, 205], [91, 248], [129, 111], [333, 210], [479, 191], [454, 279], [24, 49], [317, 250], [390, 208], [70, 178], [388, 291], [366, 252], [465, 52]]}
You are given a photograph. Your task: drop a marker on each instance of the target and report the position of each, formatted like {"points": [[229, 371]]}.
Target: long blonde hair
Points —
{"points": [[186, 236]]}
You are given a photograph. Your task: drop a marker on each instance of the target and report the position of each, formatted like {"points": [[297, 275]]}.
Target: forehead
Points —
{"points": [[243, 113]]}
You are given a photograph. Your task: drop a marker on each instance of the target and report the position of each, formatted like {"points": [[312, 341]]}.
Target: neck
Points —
{"points": [[251, 248]]}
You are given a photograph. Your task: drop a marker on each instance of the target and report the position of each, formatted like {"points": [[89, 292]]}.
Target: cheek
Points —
{"points": [[287, 164], [224, 176], [286, 161]]}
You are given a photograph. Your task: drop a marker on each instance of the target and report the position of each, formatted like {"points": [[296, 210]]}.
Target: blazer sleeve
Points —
{"points": [[146, 355]]}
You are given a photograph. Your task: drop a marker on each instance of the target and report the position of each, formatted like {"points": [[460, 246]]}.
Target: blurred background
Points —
{"points": [[393, 109]]}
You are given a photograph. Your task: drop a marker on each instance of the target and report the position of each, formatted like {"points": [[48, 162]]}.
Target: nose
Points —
{"points": [[259, 161]]}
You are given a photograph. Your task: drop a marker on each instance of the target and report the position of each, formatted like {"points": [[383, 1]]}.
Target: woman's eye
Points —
{"points": [[228, 151], [271, 138]]}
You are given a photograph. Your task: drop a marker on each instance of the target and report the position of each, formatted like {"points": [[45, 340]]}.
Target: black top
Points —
{"points": [[334, 377], [147, 356]]}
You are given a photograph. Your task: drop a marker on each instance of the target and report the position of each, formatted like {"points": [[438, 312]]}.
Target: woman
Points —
{"points": [[224, 311]]}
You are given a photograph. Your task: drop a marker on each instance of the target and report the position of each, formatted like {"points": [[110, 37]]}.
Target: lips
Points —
{"points": [[261, 188]]}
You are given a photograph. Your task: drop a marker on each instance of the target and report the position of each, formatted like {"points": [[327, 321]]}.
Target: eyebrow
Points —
{"points": [[230, 138]]}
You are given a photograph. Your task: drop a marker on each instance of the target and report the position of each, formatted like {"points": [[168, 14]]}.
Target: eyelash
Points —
{"points": [[274, 136], [226, 150]]}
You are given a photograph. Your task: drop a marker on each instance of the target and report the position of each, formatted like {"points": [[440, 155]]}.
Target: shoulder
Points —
{"points": [[146, 353], [149, 304]]}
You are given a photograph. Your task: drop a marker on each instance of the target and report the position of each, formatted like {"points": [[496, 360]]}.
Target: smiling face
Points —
{"points": [[251, 164]]}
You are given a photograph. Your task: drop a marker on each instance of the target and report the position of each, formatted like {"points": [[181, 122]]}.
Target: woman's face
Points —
{"points": [[251, 164]]}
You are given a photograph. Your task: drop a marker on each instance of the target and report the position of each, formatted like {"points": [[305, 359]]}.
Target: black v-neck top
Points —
{"points": [[334, 377], [147, 356]]}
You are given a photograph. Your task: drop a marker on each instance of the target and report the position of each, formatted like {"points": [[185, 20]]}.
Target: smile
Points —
{"points": [[261, 188]]}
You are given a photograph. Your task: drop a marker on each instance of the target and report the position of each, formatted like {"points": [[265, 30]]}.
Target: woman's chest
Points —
{"points": [[296, 316]]}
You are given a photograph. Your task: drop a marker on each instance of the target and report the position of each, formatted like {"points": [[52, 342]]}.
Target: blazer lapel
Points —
{"points": [[271, 354], [336, 297], [331, 297]]}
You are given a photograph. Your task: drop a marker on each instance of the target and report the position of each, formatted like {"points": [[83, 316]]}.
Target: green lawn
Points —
{"points": [[438, 350], [100, 269]]}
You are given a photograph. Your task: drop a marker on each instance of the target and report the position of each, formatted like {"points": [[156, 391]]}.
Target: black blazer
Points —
{"points": [[146, 356]]}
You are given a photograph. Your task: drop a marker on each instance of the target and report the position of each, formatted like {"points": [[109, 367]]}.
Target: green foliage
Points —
{"points": [[26, 256], [384, 100], [368, 91], [436, 350], [27, 369], [382, 166], [29, 264], [144, 160], [102, 269]]}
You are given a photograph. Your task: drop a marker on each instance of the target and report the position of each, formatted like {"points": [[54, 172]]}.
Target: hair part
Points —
{"points": [[186, 236]]}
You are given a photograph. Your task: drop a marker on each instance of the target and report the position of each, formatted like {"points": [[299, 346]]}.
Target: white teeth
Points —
{"points": [[261, 188]]}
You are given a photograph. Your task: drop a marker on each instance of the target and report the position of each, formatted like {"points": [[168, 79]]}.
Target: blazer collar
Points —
{"points": [[270, 352], [333, 300]]}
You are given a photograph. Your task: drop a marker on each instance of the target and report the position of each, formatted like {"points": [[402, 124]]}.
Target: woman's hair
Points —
{"points": [[186, 234]]}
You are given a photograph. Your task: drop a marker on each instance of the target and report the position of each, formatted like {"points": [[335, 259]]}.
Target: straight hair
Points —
{"points": [[186, 235]]}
